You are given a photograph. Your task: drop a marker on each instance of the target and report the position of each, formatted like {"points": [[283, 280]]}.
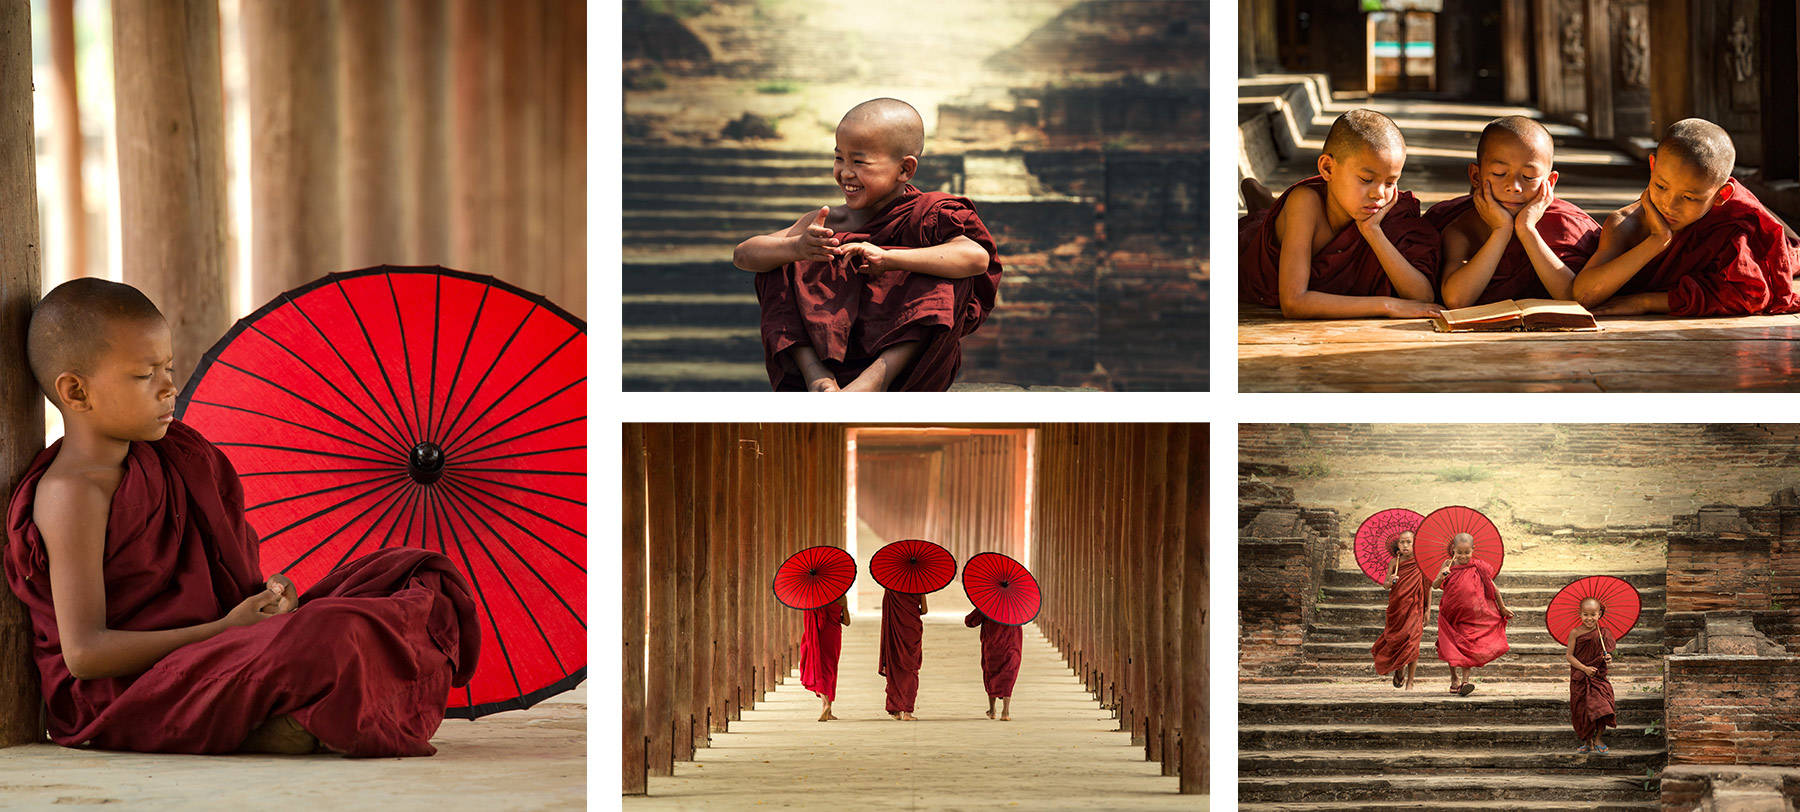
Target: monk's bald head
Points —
{"points": [[893, 122], [1520, 130], [1462, 540], [72, 326], [1704, 147], [1361, 131]]}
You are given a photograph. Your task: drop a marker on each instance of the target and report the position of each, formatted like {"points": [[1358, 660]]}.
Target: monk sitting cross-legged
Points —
{"points": [[1000, 652], [902, 650]]}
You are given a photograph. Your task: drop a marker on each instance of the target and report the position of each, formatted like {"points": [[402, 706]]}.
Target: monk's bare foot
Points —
{"points": [[830, 717], [907, 717], [825, 717], [1005, 717], [1257, 197], [990, 713], [281, 736], [896, 716], [865, 382]]}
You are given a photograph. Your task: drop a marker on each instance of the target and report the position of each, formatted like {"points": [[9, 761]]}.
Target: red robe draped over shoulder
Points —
{"points": [[850, 318], [1735, 261], [820, 643], [1591, 698], [1399, 640], [1571, 234], [1346, 266], [1000, 651], [1471, 631], [902, 649], [365, 663]]}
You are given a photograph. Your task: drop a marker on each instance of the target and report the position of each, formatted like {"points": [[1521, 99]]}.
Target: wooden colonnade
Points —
{"points": [[710, 510], [964, 490]]}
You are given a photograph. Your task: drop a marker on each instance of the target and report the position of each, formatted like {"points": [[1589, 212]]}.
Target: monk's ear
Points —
{"points": [[1326, 165], [72, 391], [1652, 159], [908, 165], [1474, 175], [1722, 195]]}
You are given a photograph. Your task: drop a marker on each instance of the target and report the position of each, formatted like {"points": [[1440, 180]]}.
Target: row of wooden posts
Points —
{"points": [[966, 494]]}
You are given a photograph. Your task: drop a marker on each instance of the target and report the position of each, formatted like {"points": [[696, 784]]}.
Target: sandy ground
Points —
{"points": [[1059, 751], [530, 759]]}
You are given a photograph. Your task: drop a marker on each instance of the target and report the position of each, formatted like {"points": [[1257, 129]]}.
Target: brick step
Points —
{"points": [[1472, 760], [633, 152], [700, 376], [686, 276], [746, 223], [701, 163], [1512, 578], [687, 344], [1523, 628], [1536, 597], [1486, 786], [1383, 737], [1521, 647], [719, 241], [1435, 707], [1375, 614], [741, 188], [691, 309], [1503, 670], [1456, 806], [787, 206]]}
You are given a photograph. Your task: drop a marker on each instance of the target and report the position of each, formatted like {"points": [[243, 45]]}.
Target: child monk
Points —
{"points": [[154, 628], [1591, 707], [878, 293], [1511, 237], [1397, 649], [902, 635], [820, 644], [1695, 243], [1346, 243], [1000, 651], [1471, 616]]}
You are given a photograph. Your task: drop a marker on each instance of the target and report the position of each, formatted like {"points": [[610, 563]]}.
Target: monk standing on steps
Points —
{"points": [[902, 650], [1591, 706], [820, 645], [1471, 616], [1397, 650], [1000, 652]]}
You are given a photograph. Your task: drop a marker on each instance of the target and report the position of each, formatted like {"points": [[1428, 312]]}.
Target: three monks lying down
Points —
{"points": [[1349, 243], [153, 627]]}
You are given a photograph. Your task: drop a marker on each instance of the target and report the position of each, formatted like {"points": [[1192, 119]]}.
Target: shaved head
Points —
{"points": [[1526, 130], [70, 327], [1459, 538], [1702, 145], [893, 121], [1360, 130]]}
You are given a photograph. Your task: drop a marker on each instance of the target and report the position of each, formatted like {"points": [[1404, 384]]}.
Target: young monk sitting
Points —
{"points": [[1396, 651], [154, 628], [820, 644], [1696, 242], [902, 650], [1471, 616], [1591, 707], [876, 294], [1000, 652], [1346, 243], [1511, 237]]}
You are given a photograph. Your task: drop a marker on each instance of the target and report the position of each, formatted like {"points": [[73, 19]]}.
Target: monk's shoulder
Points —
{"points": [[68, 502], [1301, 200]]}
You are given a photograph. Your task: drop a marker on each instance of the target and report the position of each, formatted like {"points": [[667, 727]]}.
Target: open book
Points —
{"points": [[1521, 314]]}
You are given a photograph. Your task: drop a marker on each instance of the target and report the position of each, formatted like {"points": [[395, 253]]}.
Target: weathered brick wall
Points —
{"points": [[1690, 788], [1743, 560], [1625, 445], [1283, 552], [1733, 709]]}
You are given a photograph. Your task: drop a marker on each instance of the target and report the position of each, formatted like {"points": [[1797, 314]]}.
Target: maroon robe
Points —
{"points": [[1591, 698], [902, 636], [820, 643], [1000, 651], [1399, 640], [1571, 234], [1471, 630], [850, 318], [1734, 261], [1346, 266], [365, 663]]}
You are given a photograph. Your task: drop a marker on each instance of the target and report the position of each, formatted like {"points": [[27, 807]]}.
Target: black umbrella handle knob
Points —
{"points": [[426, 463]]}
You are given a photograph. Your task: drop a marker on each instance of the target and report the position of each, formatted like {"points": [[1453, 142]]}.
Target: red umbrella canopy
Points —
{"points": [[1620, 605], [1001, 588], [1373, 535], [814, 577], [420, 407], [914, 566], [1431, 543]]}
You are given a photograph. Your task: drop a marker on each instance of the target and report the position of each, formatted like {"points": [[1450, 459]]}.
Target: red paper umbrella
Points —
{"points": [[814, 577], [1001, 588], [420, 407], [1373, 536], [1619, 601], [914, 566], [1431, 543]]}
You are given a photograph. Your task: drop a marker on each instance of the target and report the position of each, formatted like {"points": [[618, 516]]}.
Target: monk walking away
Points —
{"points": [[1346, 243], [820, 643], [902, 650], [1695, 243], [1511, 237], [1396, 651], [878, 293], [1471, 616], [1591, 707], [1001, 646], [154, 629]]}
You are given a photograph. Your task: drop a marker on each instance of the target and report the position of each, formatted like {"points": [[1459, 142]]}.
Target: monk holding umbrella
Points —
{"points": [[908, 570], [814, 580], [1006, 598]]}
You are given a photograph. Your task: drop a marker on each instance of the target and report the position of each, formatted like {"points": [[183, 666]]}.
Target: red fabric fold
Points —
{"points": [[849, 318], [902, 649], [1346, 266], [1399, 640], [1471, 631], [1591, 698], [364, 664], [820, 643], [1737, 260], [1001, 647], [1571, 234]]}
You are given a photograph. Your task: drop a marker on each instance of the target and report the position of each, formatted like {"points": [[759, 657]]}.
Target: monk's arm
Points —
{"points": [[71, 514], [1406, 279], [843, 610], [1299, 219], [1551, 270], [921, 604], [1389, 580], [960, 258], [766, 252], [1569, 654], [1613, 265], [1466, 276]]}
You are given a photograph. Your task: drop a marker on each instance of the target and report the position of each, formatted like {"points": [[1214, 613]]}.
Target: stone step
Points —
{"points": [[661, 344], [699, 376], [1473, 759], [1518, 648], [634, 152], [691, 309], [1503, 670], [704, 163], [1513, 578], [1523, 596], [1528, 628], [1400, 736], [1458, 806], [791, 206], [744, 188], [686, 276], [742, 222], [1435, 707], [719, 242], [1484, 786], [1375, 614]]}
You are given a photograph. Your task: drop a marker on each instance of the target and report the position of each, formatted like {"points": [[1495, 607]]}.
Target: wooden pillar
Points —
{"points": [[1780, 109], [290, 49], [1599, 68], [1155, 467], [1516, 31], [700, 480], [551, 154], [1135, 595], [170, 114], [474, 116], [66, 149], [685, 707], [1174, 537], [424, 115], [723, 575], [518, 116], [771, 473], [21, 405], [574, 168], [634, 775], [659, 694], [369, 112], [1194, 776]]}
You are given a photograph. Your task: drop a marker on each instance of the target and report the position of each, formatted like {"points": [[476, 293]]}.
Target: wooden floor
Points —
{"points": [[1629, 354]]}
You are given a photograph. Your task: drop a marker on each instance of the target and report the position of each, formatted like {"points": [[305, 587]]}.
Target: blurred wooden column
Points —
{"points": [[170, 112], [1174, 551], [724, 574], [699, 477], [290, 49], [683, 630], [1155, 467], [573, 169], [66, 146], [370, 119], [1516, 31], [659, 705], [634, 776], [424, 159], [1194, 748], [520, 232], [474, 143], [21, 405]]}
